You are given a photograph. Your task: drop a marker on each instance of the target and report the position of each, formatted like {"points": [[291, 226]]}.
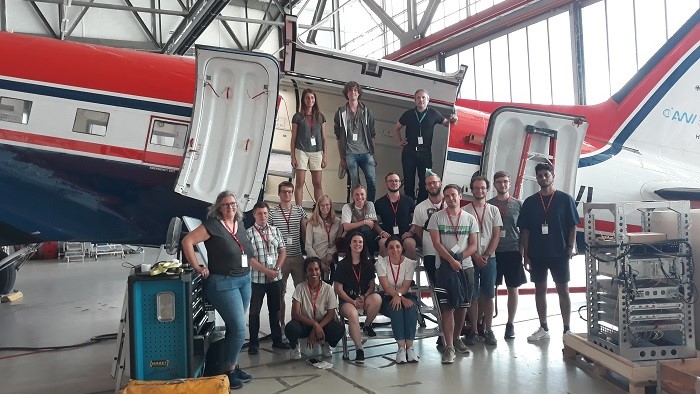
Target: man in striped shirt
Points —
{"points": [[290, 220], [266, 276]]}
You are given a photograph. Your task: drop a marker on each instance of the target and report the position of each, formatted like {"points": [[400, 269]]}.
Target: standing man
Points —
{"points": [[417, 155], [290, 220], [509, 258], [454, 233], [484, 260], [421, 216], [266, 277], [354, 131], [548, 222], [395, 211]]}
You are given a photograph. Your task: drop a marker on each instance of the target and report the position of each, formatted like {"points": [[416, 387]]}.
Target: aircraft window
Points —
{"points": [[168, 133], [91, 122], [15, 110]]}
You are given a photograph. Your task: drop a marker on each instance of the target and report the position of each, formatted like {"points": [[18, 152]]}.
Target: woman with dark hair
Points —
{"points": [[308, 145], [354, 285], [227, 275], [313, 313], [395, 273]]}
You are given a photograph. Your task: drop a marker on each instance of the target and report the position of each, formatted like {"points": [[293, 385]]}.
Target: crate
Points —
{"points": [[679, 376], [637, 376]]}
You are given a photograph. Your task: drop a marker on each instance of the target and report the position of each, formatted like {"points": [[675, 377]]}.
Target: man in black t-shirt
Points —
{"points": [[417, 155], [395, 213]]}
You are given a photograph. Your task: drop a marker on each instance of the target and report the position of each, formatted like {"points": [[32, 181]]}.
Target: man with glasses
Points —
{"points": [[417, 155], [395, 211], [484, 260], [290, 220], [509, 258]]}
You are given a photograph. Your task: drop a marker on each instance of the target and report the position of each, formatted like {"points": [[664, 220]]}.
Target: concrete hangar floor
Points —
{"points": [[69, 303]]}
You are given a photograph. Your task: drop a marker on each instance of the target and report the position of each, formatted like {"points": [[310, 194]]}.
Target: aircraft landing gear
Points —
{"points": [[8, 275]]}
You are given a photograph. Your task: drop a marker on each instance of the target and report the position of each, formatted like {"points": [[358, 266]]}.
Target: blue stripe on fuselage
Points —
{"points": [[77, 95], [460, 157]]}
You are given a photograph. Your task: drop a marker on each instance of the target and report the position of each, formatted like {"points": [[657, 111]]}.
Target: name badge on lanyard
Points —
{"points": [[396, 230], [354, 137], [244, 260], [545, 229], [313, 141], [288, 241], [420, 140]]}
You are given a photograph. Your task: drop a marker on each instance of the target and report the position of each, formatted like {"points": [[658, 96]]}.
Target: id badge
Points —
{"points": [[313, 141], [354, 136], [271, 262], [455, 248], [244, 260], [420, 140], [288, 241], [503, 233], [545, 229], [396, 230]]}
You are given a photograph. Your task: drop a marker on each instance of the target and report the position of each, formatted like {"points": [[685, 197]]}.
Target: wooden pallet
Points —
{"points": [[591, 358]]}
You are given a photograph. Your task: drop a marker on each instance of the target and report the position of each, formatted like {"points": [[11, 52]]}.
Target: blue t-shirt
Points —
{"points": [[561, 215]]}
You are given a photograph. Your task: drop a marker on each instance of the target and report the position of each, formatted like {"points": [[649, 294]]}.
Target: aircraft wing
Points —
{"points": [[679, 193]]}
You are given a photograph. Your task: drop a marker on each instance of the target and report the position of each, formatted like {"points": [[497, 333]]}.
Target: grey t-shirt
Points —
{"points": [[454, 232], [305, 131], [510, 233], [356, 126]]}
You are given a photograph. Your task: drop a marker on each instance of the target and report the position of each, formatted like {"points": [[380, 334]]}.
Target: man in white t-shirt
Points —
{"points": [[489, 218], [421, 217], [454, 234]]}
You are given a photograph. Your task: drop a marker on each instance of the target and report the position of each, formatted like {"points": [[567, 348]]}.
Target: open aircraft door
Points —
{"points": [[232, 125], [518, 139]]}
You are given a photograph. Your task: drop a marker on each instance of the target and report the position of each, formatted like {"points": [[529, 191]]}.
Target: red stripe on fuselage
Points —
{"points": [[114, 152]]}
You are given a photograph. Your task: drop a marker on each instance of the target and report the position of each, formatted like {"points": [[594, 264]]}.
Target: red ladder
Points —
{"points": [[527, 155]]}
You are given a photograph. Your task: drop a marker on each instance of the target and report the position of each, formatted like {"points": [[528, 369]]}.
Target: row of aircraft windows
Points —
{"points": [[163, 132]]}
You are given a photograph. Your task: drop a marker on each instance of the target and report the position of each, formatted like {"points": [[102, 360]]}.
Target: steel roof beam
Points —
{"points": [[201, 15]]}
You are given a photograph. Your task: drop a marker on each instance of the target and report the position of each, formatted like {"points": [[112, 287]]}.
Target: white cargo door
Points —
{"points": [[506, 138], [232, 125]]}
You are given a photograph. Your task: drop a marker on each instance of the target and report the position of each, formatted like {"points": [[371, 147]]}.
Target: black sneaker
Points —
{"points": [[480, 328], [252, 350], [233, 382], [510, 331], [360, 356], [281, 345], [240, 375], [369, 331], [439, 344]]}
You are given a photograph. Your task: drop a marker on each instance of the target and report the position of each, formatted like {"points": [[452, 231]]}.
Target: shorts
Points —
{"points": [[485, 280], [558, 266], [308, 160], [453, 289], [509, 265]]}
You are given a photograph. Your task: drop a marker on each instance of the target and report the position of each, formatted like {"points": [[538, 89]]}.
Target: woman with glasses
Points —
{"points": [[308, 145], [395, 274], [227, 275], [322, 231]]}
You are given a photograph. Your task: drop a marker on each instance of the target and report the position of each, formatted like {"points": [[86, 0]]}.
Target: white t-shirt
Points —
{"points": [[490, 217], [465, 224], [421, 215], [401, 272], [326, 300]]}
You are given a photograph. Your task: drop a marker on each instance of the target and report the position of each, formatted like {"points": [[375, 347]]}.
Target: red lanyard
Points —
{"points": [[395, 209], [233, 233], [310, 121], [357, 276], [503, 208], [313, 298], [398, 271], [546, 208], [480, 220], [265, 237], [328, 227], [456, 228], [286, 219]]}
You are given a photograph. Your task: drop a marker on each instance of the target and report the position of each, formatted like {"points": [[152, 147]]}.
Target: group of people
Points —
{"points": [[465, 250]]}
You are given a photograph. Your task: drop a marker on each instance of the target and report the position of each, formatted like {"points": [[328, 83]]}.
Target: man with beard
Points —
{"points": [[548, 222], [395, 211], [421, 215]]}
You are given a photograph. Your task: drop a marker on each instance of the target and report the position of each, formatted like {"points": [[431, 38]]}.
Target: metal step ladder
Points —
{"points": [[528, 155]]}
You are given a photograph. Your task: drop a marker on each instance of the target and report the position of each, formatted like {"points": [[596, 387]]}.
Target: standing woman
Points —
{"points": [[322, 231], [227, 275], [308, 146], [354, 285], [395, 273]]}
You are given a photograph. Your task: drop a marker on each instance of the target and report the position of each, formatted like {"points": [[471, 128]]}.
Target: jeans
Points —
{"points": [[403, 321], [230, 296], [415, 161], [273, 291], [366, 162], [333, 332]]}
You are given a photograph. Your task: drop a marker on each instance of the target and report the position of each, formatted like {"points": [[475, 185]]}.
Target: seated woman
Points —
{"points": [[354, 285], [313, 312], [322, 230], [400, 306], [360, 215]]}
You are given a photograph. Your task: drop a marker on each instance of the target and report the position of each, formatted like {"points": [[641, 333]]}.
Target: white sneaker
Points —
{"points": [[448, 356], [326, 350], [539, 335], [401, 356], [295, 354], [411, 355]]}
